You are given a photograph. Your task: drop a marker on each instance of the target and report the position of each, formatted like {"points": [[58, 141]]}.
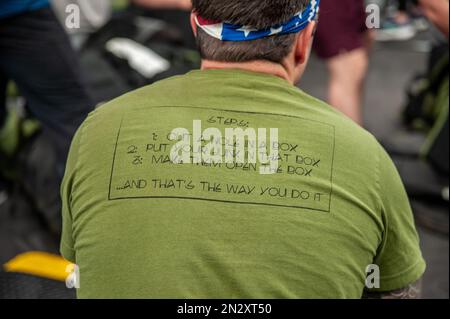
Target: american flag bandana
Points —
{"points": [[229, 32]]}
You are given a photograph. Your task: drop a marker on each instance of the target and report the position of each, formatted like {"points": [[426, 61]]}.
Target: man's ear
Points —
{"points": [[304, 42], [193, 23]]}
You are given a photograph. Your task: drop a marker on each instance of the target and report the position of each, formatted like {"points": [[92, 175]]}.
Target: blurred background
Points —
{"points": [[119, 46]]}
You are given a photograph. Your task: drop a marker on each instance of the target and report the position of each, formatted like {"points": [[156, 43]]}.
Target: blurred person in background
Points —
{"points": [[36, 55], [344, 42], [438, 13]]}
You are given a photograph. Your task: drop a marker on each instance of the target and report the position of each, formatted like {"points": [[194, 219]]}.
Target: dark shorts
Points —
{"points": [[342, 25]]}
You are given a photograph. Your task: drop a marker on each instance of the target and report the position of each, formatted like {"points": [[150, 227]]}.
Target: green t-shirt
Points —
{"points": [[140, 226]]}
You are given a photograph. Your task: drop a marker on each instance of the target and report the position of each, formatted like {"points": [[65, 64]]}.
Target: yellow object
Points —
{"points": [[40, 264]]}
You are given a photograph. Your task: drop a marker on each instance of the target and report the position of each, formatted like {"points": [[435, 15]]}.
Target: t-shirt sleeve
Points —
{"points": [[67, 242], [399, 256]]}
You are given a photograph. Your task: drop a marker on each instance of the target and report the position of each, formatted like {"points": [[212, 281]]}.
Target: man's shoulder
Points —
{"points": [[357, 141], [347, 133]]}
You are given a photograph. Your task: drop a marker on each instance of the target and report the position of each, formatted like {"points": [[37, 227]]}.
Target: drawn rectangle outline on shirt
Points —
{"points": [[111, 198]]}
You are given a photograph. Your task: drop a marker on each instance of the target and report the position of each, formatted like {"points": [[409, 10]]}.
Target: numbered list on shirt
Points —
{"points": [[300, 176]]}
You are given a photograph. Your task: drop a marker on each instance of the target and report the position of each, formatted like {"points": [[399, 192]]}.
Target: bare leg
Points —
{"points": [[347, 75]]}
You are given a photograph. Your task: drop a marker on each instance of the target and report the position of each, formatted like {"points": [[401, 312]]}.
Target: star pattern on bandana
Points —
{"points": [[247, 30], [274, 31]]}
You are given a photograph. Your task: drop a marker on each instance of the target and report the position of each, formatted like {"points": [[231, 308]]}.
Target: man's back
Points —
{"points": [[139, 225]]}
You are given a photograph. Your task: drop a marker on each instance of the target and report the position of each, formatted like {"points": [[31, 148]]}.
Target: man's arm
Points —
{"points": [[437, 11], [412, 291], [399, 256]]}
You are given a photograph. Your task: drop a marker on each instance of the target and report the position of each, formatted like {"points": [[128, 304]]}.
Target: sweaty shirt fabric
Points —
{"points": [[140, 226]]}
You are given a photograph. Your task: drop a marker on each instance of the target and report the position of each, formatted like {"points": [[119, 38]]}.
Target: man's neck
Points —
{"points": [[265, 67]]}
